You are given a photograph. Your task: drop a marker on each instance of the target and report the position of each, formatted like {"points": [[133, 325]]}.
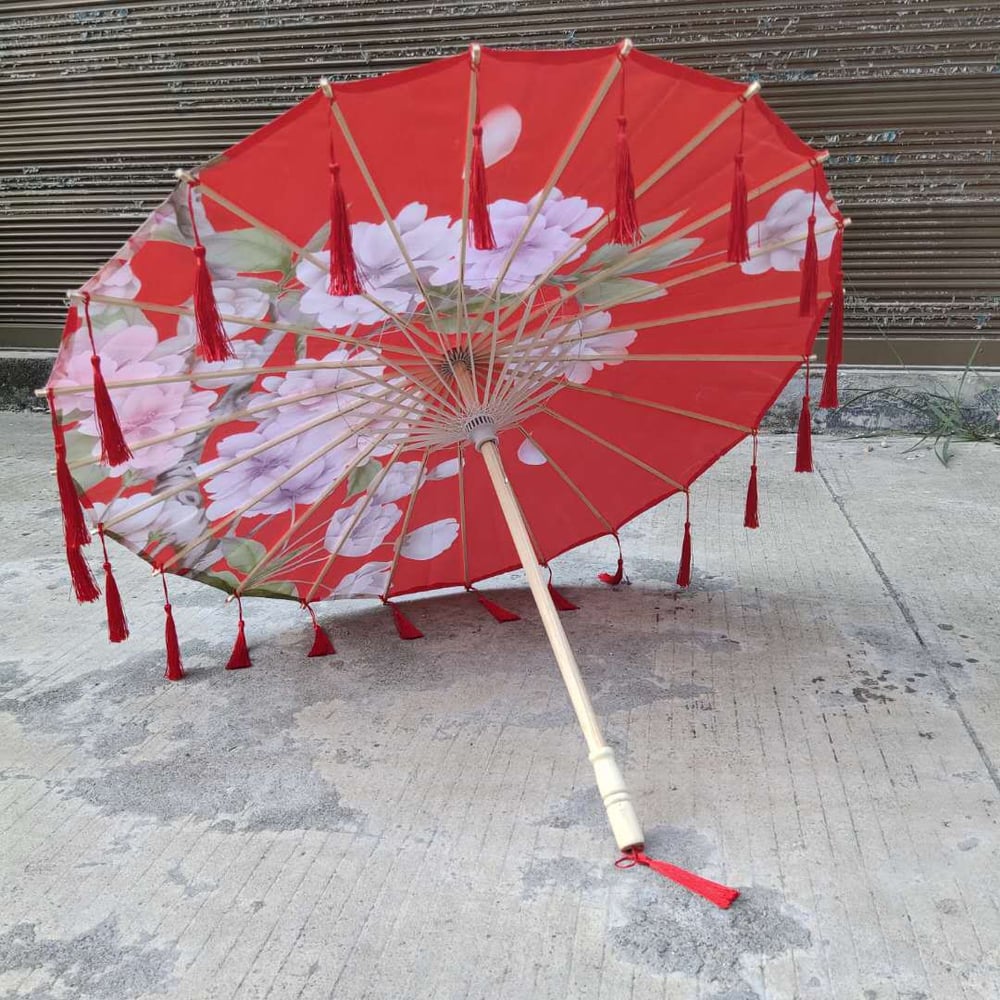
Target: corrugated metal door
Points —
{"points": [[100, 102]]}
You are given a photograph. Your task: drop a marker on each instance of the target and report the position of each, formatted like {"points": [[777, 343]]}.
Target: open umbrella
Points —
{"points": [[430, 327]]}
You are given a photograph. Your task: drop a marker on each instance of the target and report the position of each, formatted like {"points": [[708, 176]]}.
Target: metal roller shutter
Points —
{"points": [[100, 102]]}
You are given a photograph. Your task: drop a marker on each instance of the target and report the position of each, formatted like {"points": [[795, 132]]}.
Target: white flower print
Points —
{"points": [[231, 488], [116, 280], [788, 219], [375, 522], [501, 130], [153, 411], [249, 354], [397, 483], [585, 349], [430, 540], [445, 470], [369, 581], [169, 519], [551, 235], [387, 276], [529, 454]]}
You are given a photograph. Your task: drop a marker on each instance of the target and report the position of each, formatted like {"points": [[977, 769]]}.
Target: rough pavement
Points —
{"points": [[815, 722]]}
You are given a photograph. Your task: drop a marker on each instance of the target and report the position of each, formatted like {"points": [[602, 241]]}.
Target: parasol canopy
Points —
{"points": [[430, 327]]}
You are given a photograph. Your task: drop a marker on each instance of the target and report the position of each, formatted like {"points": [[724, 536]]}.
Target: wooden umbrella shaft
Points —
{"points": [[617, 801]]}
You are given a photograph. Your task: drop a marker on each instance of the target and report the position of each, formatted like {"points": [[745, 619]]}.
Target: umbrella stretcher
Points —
{"points": [[424, 329]]}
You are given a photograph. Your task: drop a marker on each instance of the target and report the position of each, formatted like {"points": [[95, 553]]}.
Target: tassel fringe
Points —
{"points": [[810, 272], [213, 342], [803, 449], [625, 227], [721, 895], [562, 603], [750, 512], [239, 658], [117, 622], [684, 567], [345, 275], [75, 530], [479, 212], [739, 244], [613, 579], [175, 669], [834, 340], [501, 614], [322, 645], [405, 628], [114, 448], [84, 585]]}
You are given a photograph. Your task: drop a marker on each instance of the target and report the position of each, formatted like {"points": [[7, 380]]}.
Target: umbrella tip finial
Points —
{"points": [[324, 85], [752, 89], [626, 47], [475, 53]]}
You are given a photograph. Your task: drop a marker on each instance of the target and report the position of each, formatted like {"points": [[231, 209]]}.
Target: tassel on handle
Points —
{"points": [[345, 275], [117, 622], [213, 342], [175, 669], [114, 448], [715, 892], [239, 658], [322, 645], [739, 243], [750, 511], [835, 337]]}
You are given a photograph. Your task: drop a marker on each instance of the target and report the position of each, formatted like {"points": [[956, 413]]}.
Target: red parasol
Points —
{"points": [[427, 328]]}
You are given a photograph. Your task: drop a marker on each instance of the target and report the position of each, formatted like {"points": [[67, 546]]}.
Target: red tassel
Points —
{"points": [[501, 614], [561, 603], [684, 569], [74, 527], [213, 343], [750, 516], [239, 658], [114, 449], [739, 244], [84, 585], [803, 449], [345, 276], [834, 339], [117, 622], [810, 272], [405, 628], [613, 579], [721, 895], [322, 646], [175, 669], [479, 212]]}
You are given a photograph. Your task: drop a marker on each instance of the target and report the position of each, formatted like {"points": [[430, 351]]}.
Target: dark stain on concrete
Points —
{"points": [[95, 965]]}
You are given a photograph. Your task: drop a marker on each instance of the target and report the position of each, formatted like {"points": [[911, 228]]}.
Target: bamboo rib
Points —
{"points": [[558, 469], [365, 504], [224, 522], [466, 187], [193, 481], [658, 174], [588, 116], [249, 412], [647, 248], [404, 527], [674, 320], [462, 516], [352, 339], [538, 335], [411, 333], [612, 447]]}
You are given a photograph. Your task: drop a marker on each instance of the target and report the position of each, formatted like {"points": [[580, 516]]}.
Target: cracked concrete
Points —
{"points": [[814, 722]]}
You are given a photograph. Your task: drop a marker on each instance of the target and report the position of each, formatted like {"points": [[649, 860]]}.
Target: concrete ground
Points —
{"points": [[815, 721]]}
